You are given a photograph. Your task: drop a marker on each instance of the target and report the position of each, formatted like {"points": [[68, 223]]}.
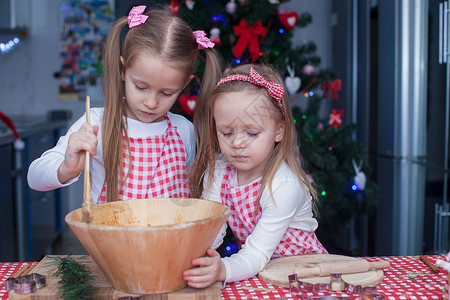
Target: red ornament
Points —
{"points": [[308, 69], [334, 87], [174, 7], [289, 20], [231, 7], [190, 4], [187, 103], [248, 36], [336, 118], [215, 36]]}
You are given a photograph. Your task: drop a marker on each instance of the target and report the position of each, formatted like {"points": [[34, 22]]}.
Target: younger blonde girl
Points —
{"points": [[248, 159]]}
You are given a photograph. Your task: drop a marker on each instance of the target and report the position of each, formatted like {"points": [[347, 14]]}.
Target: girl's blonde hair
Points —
{"points": [[287, 150], [164, 36]]}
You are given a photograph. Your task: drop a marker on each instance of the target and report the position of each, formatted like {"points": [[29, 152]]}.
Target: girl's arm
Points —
{"points": [[211, 267], [210, 270], [213, 194], [43, 173], [81, 141], [259, 246], [277, 215]]}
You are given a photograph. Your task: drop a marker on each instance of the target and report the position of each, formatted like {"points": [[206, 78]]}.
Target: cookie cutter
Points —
{"points": [[336, 284], [25, 284]]}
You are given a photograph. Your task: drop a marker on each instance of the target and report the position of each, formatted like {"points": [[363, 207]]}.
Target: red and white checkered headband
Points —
{"points": [[274, 89]]}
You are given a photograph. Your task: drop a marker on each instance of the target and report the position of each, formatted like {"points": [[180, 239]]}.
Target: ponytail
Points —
{"points": [[113, 125], [202, 114]]}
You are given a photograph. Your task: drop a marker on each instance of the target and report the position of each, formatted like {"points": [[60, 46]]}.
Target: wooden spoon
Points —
{"points": [[87, 196]]}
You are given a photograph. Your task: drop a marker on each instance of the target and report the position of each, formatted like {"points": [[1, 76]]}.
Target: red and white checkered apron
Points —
{"points": [[242, 200], [158, 167]]}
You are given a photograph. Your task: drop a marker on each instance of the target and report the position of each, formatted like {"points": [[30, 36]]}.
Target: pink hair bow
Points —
{"points": [[274, 89], [135, 17], [202, 41]]}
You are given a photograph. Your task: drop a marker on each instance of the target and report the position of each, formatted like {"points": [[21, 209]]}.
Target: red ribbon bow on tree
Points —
{"points": [[336, 118], [248, 36], [174, 7], [334, 87]]}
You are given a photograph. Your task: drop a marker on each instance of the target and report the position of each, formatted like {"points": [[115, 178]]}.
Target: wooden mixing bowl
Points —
{"points": [[143, 246]]}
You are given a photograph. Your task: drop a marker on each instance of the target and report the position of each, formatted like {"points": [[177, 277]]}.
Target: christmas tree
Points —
{"points": [[259, 31]]}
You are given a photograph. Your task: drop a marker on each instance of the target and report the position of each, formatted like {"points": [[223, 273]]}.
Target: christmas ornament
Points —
{"points": [[174, 7], [187, 103], [190, 4], [288, 20], [334, 87], [215, 36], [360, 177], [336, 118], [292, 82], [248, 36], [308, 69], [274, 2], [320, 126], [230, 7]]}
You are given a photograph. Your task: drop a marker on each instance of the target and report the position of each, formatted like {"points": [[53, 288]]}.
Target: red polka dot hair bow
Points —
{"points": [[135, 16], [274, 89]]}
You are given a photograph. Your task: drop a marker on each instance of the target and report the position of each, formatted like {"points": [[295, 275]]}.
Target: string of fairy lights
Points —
{"points": [[6, 47]]}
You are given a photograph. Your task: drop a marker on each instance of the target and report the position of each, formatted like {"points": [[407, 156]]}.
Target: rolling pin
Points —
{"points": [[344, 267]]}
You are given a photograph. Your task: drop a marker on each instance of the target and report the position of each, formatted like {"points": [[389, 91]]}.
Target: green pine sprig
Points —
{"points": [[75, 279]]}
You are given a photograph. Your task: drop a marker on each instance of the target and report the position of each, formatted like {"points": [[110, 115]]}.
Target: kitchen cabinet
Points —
{"points": [[7, 212], [30, 221], [43, 209]]}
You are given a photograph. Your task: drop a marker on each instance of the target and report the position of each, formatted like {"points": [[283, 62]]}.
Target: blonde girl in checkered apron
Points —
{"points": [[248, 158], [139, 149]]}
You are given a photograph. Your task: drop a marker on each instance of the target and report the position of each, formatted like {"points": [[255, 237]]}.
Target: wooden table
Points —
{"points": [[408, 278]]}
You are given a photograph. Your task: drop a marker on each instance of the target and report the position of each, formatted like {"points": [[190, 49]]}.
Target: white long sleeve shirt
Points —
{"points": [[43, 172], [290, 206]]}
